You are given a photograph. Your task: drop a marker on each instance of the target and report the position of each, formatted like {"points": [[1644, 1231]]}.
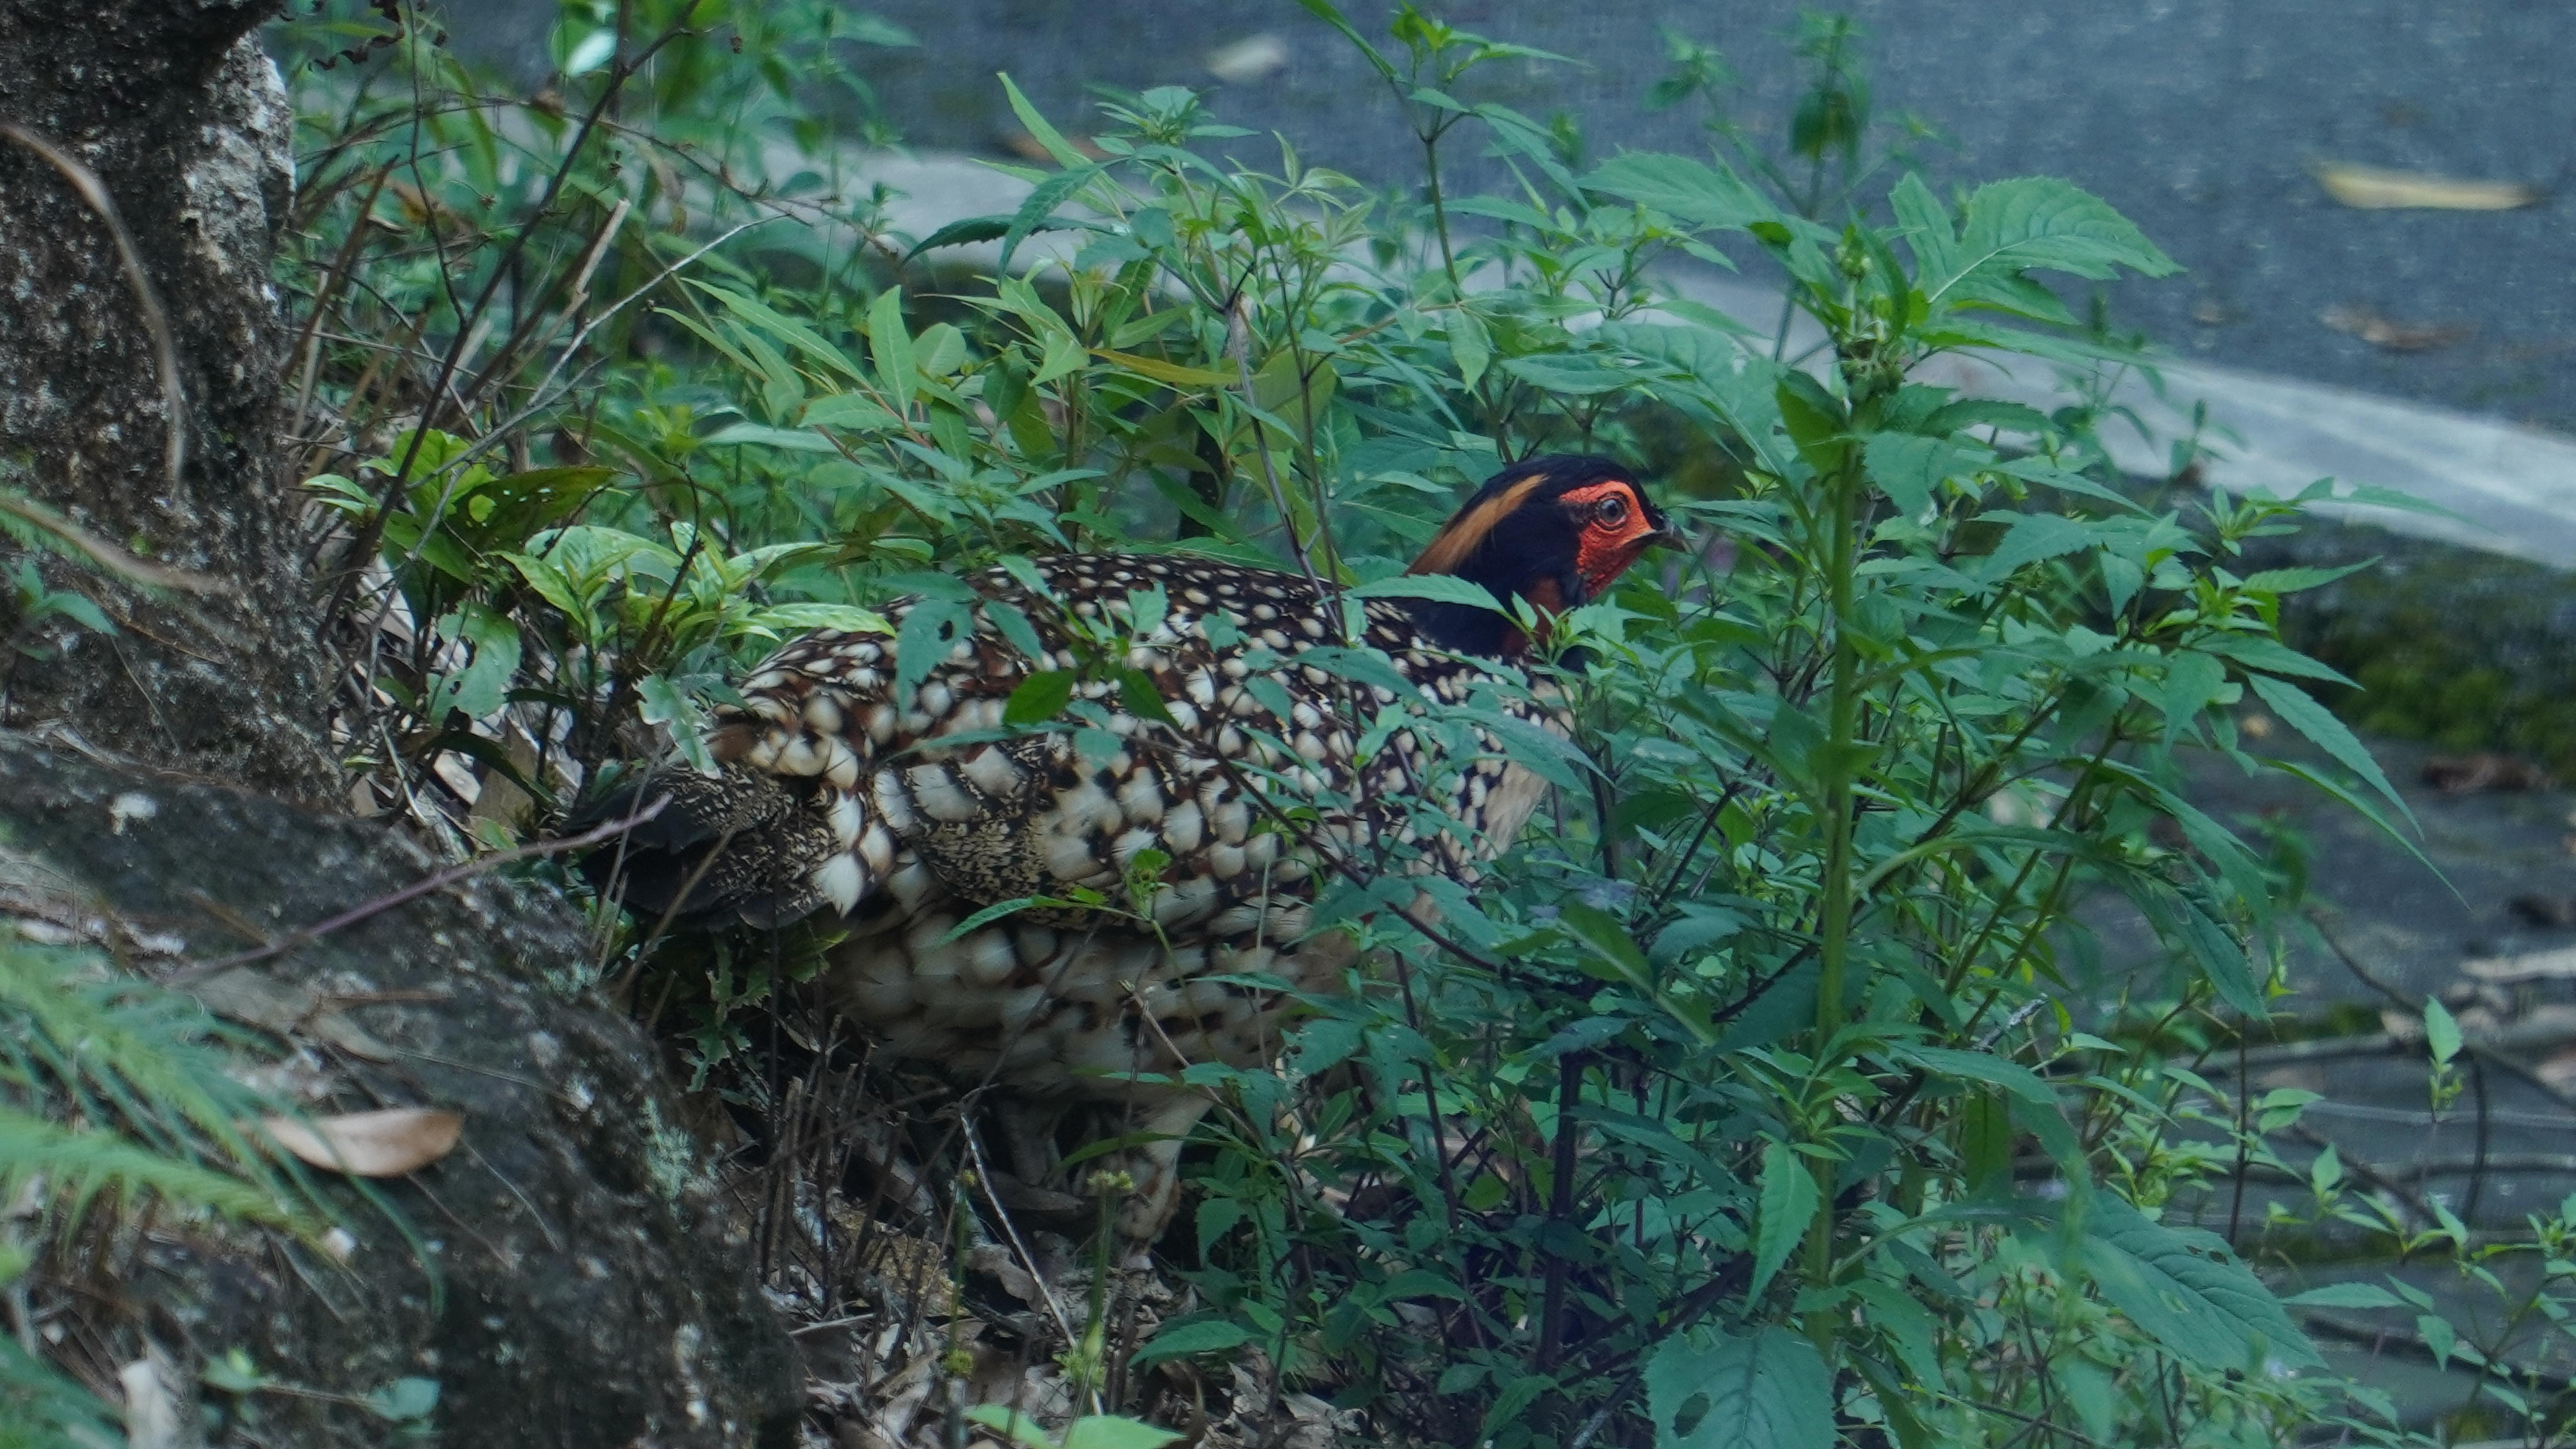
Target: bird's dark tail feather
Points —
{"points": [[741, 846]]}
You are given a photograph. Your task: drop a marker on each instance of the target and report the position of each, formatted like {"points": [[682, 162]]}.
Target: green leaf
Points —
{"points": [[2346, 1295], [1984, 1067], [761, 435], [663, 703], [985, 917], [2256, 651], [483, 685], [925, 639], [1040, 697], [1172, 373], [1109, 1431], [404, 1400], [1137, 692], [1786, 1213], [1609, 940], [2036, 536], [1987, 412], [1019, 1428], [1691, 192], [1325, 11], [1180, 1340], [2183, 921], [1907, 468], [851, 413], [1042, 202], [1438, 588], [891, 347], [1765, 1390], [1570, 373], [2326, 732], [1470, 346], [2187, 1292], [848, 618], [2291, 581], [2035, 222], [1047, 136], [2441, 1032]]}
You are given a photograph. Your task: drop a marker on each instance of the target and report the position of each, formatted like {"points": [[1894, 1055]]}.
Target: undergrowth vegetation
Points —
{"points": [[1772, 1091]]}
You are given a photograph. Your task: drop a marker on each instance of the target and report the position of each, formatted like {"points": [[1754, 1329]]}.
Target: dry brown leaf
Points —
{"points": [[2378, 331], [2558, 1069], [1249, 59], [1021, 143], [285, 1008], [371, 1144], [2373, 188]]}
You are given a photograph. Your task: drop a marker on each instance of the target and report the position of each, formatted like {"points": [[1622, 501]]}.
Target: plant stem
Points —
{"points": [[1834, 929]]}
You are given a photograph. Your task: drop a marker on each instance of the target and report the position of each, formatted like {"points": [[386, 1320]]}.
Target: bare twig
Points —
{"points": [[305, 935], [165, 351], [123, 563]]}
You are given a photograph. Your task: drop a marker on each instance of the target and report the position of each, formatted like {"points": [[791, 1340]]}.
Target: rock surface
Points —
{"points": [[169, 108], [565, 1274]]}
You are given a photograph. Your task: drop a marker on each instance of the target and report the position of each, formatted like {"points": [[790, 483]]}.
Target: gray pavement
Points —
{"points": [[2198, 118]]}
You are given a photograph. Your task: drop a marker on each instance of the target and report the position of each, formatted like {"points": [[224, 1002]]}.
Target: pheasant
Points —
{"points": [[1120, 879]]}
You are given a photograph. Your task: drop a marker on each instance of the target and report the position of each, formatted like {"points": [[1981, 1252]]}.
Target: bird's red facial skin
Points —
{"points": [[1615, 531]]}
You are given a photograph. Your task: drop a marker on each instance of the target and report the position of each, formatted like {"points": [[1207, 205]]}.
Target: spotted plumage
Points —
{"points": [[1238, 736]]}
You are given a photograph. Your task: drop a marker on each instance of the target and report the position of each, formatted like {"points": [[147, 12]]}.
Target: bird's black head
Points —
{"points": [[1555, 531]]}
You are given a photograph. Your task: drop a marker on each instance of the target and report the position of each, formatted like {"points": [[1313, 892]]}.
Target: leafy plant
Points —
{"points": [[1756, 1097], [114, 1094]]}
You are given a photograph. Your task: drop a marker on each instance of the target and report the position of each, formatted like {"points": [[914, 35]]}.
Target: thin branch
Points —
{"points": [[165, 351], [440, 880]]}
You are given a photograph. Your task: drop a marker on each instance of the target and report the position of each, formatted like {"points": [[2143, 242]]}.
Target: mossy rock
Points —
{"points": [[2461, 649], [567, 1275]]}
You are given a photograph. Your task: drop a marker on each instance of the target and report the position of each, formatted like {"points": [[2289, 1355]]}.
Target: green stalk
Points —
{"points": [[1834, 930]]}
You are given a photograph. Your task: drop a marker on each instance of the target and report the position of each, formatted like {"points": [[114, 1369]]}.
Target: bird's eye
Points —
{"points": [[1612, 511]]}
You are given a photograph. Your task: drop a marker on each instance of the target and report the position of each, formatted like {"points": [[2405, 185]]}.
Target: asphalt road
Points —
{"points": [[2198, 118]]}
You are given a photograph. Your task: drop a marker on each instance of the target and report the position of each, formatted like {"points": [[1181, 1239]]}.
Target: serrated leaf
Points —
{"points": [[1040, 697], [663, 703], [1437, 588], [2291, 581], [2441, 1031], [1984, 1067], [2182, 921], [1907, 468], [890, 347], [1470, 346], [2326, 732], [1691, 192], [1786, 1211], [2031, 222], [925, 640], [404, 1400], [848, 618], [2346, 1295], [483, 685], [1608, 939], [1047, 135], [2187, 1292], [1569, 372], [1137, 692], [2257, 651], [1110, 1431], [1764, 1390], [1183, 1339], [1165, 372], [1987, 412], [2036, 536]]}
